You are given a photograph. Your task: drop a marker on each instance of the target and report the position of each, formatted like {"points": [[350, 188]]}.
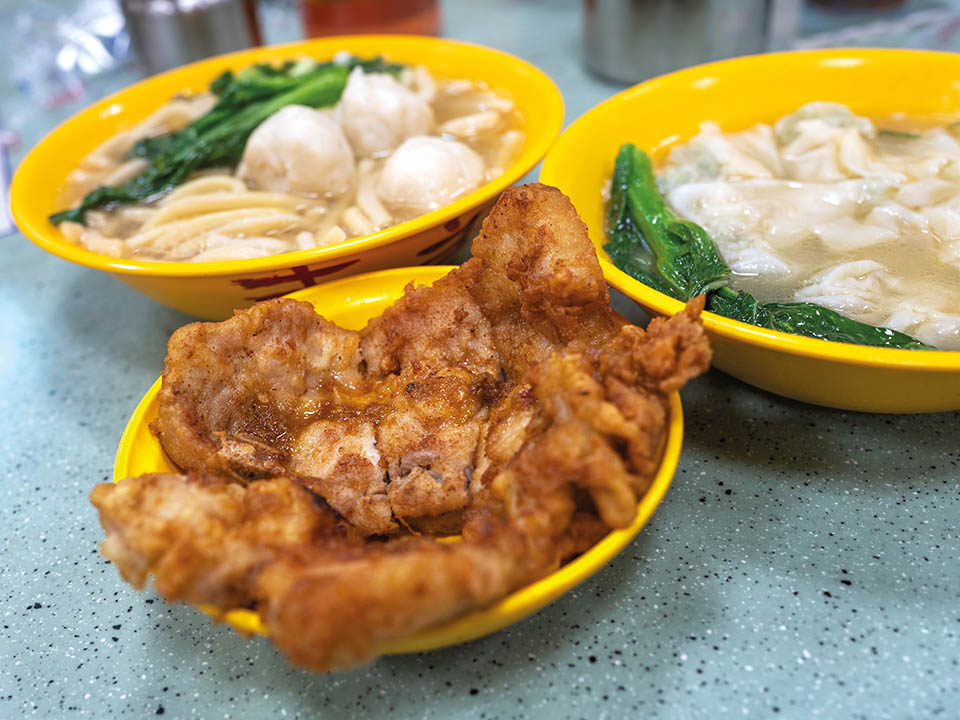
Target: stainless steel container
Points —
{"points": [[632, 40], [168, 33]]}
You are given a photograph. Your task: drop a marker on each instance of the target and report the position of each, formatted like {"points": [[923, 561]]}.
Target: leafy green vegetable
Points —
{"points": [[646, 235], [218, 138], [808, 319], [677, 257], [884, 132]]}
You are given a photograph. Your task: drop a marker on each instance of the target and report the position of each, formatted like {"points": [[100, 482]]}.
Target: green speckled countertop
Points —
{"points": [[804, 563]]}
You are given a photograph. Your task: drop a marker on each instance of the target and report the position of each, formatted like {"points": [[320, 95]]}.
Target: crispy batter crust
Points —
{"points": [[507, 402]]}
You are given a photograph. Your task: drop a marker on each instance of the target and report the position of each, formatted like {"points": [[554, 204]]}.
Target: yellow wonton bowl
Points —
{"points": [[212, 290], [350, 302], [737, 94]]}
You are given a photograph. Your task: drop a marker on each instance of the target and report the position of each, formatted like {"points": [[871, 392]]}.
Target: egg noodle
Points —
{"points": [[221, 214]]}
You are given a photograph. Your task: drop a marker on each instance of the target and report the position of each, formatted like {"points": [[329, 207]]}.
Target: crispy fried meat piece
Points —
{"points": [[335, 614], [326, 599], [536, 277], [230, 390], [339, 461], [203, 538], [428, 440], [507, 402], [361, 418], [251, 397], [437, 345], [431, 329], [567, 455]]}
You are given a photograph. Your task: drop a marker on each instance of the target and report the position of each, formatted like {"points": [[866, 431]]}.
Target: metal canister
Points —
{"points": [[632, 40], [168, 33]]}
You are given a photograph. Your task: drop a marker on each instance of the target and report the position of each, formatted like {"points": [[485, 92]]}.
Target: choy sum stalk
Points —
{"points": [[676, 255], [648, 241]]}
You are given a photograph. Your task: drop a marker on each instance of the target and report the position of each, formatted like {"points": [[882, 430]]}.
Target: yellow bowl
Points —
{"points": [[737, 94], [212, 290], [350, 302]]}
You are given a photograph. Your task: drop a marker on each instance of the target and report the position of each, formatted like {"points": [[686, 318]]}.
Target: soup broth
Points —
{"points": [[232, 213], [831, 208]]}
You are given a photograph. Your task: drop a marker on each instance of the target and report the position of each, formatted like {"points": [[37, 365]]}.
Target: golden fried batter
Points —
{"points": [[249, 398], [507, 402], [536, 277], [382, 423]]}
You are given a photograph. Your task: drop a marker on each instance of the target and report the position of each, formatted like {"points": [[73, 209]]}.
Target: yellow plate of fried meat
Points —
{"points": [[408, 459]]}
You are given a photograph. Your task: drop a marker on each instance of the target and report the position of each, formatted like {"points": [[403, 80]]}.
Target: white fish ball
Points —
{"points": [[426, 173], [378, 113], [299, 150]]}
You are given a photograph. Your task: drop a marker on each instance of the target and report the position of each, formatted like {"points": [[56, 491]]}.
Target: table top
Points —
{"points": [[804, 563]]}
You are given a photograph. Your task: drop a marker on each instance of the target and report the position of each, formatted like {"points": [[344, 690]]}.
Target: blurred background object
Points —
{"points": [[59, 55], [844, 5], [169, 33], [52, 55], [631, 40], [349, 17], [6, 173], [52, 50], [932, 24]]}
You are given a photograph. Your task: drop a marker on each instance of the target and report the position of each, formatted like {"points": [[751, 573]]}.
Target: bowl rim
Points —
{"points": [[512, 608], [552, 173], [37, 228]]}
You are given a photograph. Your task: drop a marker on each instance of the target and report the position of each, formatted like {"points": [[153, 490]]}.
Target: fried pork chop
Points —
{"points": [[382, 423], [506, 402]]}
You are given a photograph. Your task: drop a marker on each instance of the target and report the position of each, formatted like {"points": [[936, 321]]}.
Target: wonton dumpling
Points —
{"points": [[813, 155], [711, 155], [845, 234], [755, 261], [378, 113], [734, 161], [779, 213], [944, 221], [897, 218], [856, 289], [934, 153], [927, 325], [834, 115], [858, 159], [826, 142], [299, 150], [926, 193], [759, 143], [426, 173]]}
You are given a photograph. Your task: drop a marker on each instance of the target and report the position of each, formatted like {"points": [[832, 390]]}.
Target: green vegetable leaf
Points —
{"points": [[807, 319], [884, 132], [650, 241]]}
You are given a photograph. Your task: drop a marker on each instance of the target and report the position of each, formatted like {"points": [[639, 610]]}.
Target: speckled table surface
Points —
{"points": [[804, 564]]}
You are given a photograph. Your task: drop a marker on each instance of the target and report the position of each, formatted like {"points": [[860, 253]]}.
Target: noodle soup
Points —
{"points": [[824, 207], [393, 147]]}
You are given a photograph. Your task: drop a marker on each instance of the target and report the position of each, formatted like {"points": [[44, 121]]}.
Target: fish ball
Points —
{"points": [[378, 113], [426, 173], [299, 150]]}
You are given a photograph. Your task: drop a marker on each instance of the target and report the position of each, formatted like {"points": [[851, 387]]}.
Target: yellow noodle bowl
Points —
{"points": [[212, 289]]}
